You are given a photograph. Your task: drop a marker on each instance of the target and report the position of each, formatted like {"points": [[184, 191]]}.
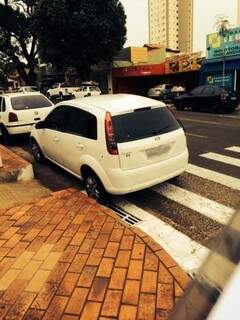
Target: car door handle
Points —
{"points": [[56, 139], [80, 146]]}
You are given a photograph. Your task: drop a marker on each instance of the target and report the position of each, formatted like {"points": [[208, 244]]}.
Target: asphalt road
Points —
{"points": [[198, 206]]}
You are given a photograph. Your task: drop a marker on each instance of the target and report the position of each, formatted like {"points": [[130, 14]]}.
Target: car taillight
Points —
{"points": [[224, 95], [110, 136], [12, 117]]}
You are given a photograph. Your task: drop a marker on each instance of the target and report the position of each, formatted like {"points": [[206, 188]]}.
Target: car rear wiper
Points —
{"points": [[156, 132]]}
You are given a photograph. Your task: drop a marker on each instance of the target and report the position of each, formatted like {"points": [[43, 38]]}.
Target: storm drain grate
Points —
{"points": [[125, 216]]}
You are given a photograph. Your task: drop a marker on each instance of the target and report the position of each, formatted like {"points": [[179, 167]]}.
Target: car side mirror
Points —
{"points": [[40, 125]]}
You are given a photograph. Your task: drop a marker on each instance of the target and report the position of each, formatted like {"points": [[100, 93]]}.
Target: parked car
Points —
{"points": [[60, 91], [161, 91], [19, 111], [26, 89], [166, 91], [209, 97], [87, 89], [116, 143]]}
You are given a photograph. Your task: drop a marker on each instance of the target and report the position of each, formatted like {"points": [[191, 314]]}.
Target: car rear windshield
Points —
{"points": [[30, 102], [143, 123]]}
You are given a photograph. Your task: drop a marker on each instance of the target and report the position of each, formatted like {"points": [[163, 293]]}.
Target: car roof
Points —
{"points": [[115, 103], [19, 94]]}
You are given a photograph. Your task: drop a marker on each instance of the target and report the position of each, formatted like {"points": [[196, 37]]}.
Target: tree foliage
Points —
{"points": [[79, 33], [18, 41]]}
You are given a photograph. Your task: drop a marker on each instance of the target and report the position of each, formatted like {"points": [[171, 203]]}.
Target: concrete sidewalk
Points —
{"points": [[67, 257]]}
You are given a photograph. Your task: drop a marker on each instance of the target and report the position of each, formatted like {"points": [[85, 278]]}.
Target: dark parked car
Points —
{"points": [[210, 98]]}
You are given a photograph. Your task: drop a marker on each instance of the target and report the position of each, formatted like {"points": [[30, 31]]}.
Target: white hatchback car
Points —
{"points": [[19, 111], [116, 143]]}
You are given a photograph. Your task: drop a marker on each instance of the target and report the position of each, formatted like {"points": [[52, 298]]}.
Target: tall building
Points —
{"points": [[238, 13], [171, 23]]}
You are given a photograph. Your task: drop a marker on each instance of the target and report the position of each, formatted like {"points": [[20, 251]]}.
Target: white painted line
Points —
{"points": [[196, 135], [186, 252], [234, 149], [214, 176], [200, 121], [221, 158], [202, 205]]}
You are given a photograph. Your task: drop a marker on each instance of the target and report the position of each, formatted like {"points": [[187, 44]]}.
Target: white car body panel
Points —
{"points": [[151, 161], [26, 117]]}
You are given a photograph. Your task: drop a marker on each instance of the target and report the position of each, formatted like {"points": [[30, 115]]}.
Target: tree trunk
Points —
{"points": [[84, 72], [31, 77]]}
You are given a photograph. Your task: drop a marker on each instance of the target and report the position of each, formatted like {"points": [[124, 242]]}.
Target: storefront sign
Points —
{"points": [[138, 71], [217, 80], [219, 46], [183, 63]]}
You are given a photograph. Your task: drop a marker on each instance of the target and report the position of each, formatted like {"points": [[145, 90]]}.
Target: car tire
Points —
{"points": [[214, 108], [37, 152], [6, 137], [95, 188]]}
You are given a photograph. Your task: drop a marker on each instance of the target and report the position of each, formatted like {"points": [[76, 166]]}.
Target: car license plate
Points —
{"points": [[160, 150]]}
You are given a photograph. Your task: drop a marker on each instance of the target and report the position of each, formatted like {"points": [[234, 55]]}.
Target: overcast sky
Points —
{"points": [[205, 15]]}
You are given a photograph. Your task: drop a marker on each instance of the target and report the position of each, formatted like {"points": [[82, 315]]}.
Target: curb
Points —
{"points": [[14, 167]]}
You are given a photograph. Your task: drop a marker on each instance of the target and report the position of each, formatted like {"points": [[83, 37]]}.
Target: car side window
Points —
{"points": [[82, 123], [208, 91], [2, 104], [57, 118], [197, 91]]}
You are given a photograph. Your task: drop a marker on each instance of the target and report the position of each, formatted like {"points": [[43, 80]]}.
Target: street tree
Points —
{"points": [[80, 33], [18, 41]]}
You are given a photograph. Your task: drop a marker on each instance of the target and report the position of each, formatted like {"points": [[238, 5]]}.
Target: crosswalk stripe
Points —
{"points": [[186, 252], [221, 158], [200, 204], [234, 149], [214, 176]]}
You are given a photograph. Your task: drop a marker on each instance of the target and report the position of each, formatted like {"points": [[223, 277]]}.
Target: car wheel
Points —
{"points": [[230, 110], [6, 137], [214, 108], [95, 188], [37, 152]]}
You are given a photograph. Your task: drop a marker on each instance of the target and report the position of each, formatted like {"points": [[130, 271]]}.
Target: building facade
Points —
{"points": [[238, 12], [171, 23]]}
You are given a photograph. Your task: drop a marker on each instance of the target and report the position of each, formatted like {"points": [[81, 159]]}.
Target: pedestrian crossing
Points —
{"points": [[221, 158], [188, 253]]}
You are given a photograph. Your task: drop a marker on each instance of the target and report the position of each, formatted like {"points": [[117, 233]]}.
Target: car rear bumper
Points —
{"points": [[19, 129], [123, 182]]}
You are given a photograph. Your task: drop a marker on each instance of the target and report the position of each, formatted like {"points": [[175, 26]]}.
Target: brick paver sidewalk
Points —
{"points": [[66, 257]]}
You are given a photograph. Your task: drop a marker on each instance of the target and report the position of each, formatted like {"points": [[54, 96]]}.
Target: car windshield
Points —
{"points": [[31, 89], [94, 88], [144, 123], [30, 102]]}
